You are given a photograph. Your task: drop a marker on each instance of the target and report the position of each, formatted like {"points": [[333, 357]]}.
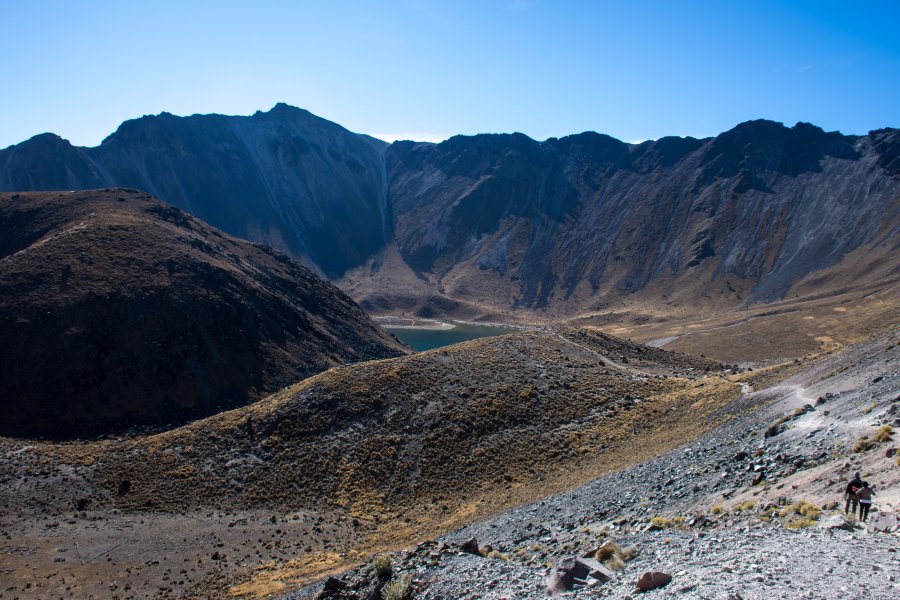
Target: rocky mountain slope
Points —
{"points": [[360, 457], [726, 482], [751, 509], [117, 310], [490, 224]]}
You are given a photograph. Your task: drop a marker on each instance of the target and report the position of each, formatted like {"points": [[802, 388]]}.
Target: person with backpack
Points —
{"points": [[850, 493], [864, 494]]}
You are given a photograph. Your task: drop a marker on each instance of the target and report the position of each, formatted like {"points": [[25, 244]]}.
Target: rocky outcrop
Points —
{"points": [[586, 220], [119, 310]]}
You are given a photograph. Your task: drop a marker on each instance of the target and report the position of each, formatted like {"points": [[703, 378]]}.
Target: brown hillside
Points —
{"points": [[374, 455], [117, 310]]}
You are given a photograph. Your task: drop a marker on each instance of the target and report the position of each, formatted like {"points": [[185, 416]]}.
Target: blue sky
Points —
{"points": [[427, 69]]}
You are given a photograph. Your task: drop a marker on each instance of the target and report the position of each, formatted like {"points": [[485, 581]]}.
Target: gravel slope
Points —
{"points": [[714, 544]]}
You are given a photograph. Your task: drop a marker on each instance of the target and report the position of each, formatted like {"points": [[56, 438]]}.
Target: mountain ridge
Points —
{"points": [[503, 224]]}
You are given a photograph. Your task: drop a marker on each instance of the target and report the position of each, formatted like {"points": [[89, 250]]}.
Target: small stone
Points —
{"points": [[653, 580]]}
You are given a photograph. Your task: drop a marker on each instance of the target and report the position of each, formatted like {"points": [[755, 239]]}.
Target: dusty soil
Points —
{"points": [[799, 327]]}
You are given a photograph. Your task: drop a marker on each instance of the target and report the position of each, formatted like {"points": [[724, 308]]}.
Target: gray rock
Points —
{"points": [[575, 569], [836, 522], [883, 522]]}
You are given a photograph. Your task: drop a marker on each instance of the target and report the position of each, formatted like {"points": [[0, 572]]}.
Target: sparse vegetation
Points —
{"points": [[800, 515], [716, 509], [613, 556], [745, 506], [883, 434], [398, 588], [863, 444], [382, 565]]}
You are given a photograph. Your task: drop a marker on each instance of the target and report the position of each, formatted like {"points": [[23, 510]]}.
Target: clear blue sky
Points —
{"points": [[431, 68]]}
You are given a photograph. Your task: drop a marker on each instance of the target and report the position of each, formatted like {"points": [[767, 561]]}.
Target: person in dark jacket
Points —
{"points": [[850, 493], [864, 494]]}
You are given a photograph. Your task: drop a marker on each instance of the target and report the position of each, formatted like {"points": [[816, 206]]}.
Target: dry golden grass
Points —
{"points": [[415, 446], [883, 434]]}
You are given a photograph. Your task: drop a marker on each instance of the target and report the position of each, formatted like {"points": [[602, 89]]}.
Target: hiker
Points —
{"points": [[864, 494], [850, 493]]}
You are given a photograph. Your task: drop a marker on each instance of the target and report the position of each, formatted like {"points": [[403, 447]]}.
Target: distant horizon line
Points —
{"points": [[430, 137]]}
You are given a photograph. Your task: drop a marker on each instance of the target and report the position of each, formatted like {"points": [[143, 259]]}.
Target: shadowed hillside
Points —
{"points": [[119, 310]]}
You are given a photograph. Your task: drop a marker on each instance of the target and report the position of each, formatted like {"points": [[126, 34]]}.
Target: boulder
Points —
{"points": [[470, 546], [883, 522], [836, 522], [573, 570], [652, 580]]}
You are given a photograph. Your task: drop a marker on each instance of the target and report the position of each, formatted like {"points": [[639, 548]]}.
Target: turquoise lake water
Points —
{"points": [[428, 339]]}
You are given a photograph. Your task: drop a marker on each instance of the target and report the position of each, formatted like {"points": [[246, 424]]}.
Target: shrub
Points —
{"points": [[883, 434], [748, 505], [716, 509], [382, 565], [613, 556], [399, 588], [801, 523], [661, 522]]}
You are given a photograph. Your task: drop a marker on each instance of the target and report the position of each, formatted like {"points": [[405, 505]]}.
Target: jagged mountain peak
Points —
{"points": [[499, 221]]}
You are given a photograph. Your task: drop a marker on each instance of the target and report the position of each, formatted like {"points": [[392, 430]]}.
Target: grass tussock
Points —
{"points": [[883, 434], [399, 588], [745, 506], [614, 556], [661, 522], [863, 444], [382, 565], [800, 515]]}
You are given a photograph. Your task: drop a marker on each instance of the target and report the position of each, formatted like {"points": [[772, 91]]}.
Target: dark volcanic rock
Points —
{"points": [[748, 213], [499, 221], [652, 580], [119, 310], [285, 178]]}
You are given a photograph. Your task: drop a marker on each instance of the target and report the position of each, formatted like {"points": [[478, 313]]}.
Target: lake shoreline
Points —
{"points": [[428, 334], [395, 322]]}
